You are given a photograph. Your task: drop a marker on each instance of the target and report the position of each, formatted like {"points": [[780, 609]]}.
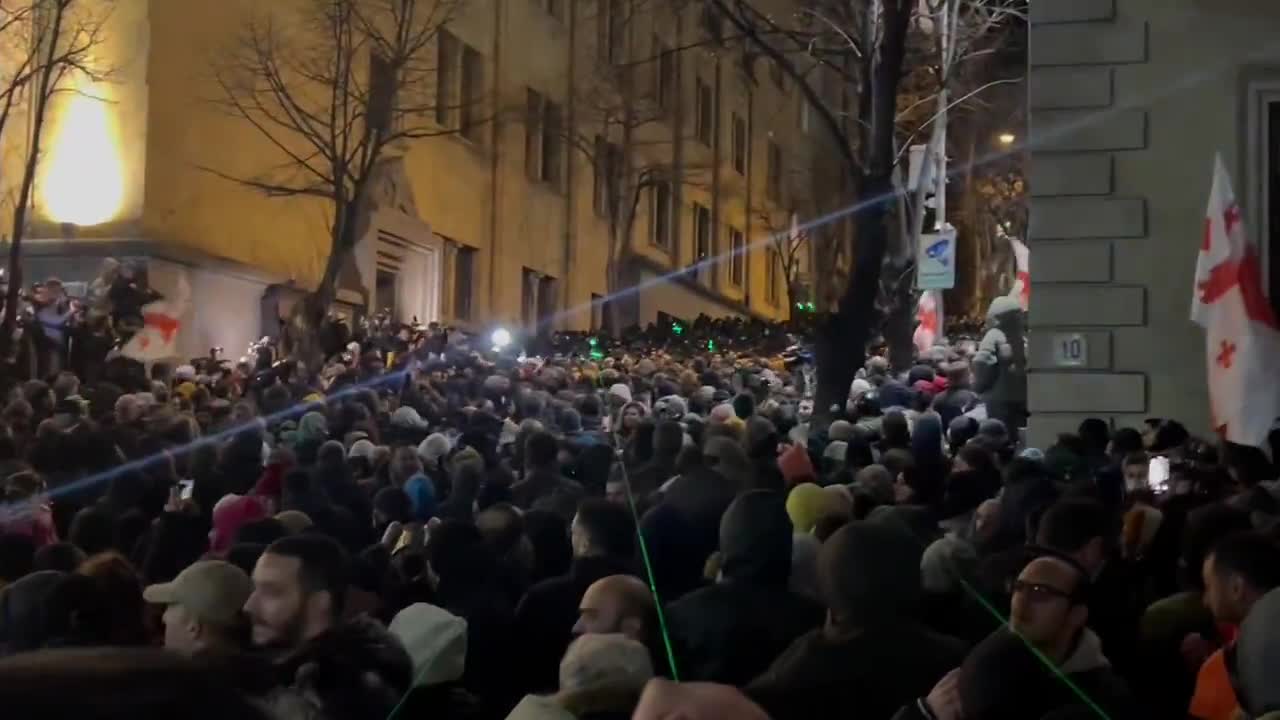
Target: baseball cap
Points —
{"points": [[212, 590]]}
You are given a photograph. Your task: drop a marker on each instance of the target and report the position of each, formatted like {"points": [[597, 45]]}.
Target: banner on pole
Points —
{"points": [[936, 260]]}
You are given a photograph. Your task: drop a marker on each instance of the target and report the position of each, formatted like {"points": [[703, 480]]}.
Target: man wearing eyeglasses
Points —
{"points": [[1050, 612], [1049, 608]]}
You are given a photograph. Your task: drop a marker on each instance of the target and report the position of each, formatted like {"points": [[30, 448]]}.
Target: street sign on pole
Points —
{"points": [[936, 260]]}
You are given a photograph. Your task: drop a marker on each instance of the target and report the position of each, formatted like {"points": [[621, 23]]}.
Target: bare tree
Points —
{"points": [[48, 46], [864, 44], [948, 71], [868, 47], [337, 87], [790, 246], [625, 102]]}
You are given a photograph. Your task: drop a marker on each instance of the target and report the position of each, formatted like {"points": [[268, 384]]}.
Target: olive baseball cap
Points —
{"points": [[211, 590]]}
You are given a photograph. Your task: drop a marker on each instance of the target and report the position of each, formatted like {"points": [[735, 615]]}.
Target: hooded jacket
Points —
{"points": [[354, 670], [436, 641], [731, 631], [873, 657]]}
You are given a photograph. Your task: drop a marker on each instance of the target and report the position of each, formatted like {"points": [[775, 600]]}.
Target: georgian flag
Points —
{"points": [[1022, 281], [1241, 333], [161, 321], [929, 317]]}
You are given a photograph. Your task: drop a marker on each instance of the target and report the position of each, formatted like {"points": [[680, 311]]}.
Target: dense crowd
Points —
{"points": [[650, 530]]}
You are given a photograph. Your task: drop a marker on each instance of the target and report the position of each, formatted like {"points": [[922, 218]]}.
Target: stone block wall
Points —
{"points": [[1081, 217]]}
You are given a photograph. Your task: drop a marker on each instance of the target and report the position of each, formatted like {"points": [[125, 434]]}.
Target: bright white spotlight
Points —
{"points": [[501, 338], [1007, 138]]}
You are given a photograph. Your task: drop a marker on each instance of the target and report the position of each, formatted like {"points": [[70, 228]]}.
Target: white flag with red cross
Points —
{"points": [[1022, 281], [929, 317], [161, 321], [1241, 332]]}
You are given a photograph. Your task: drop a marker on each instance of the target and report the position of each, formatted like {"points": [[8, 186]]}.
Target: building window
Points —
{"points": [[660, 215], [609, 18], [382, 95], [446, 76], [529, 298], [547, 303], [543, 142], [773, 181], [463, 266], [738, 260], [665, 75], [607, 162], [772, 264], [552, 157], [704, 113], [701, 240], [739, 144], [471, 93], [386, 287]]}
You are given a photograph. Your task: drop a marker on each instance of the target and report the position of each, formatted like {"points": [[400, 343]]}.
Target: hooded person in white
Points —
{"points": [[436, 641]]}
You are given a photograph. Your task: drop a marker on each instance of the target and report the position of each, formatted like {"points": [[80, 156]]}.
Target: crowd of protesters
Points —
{"points": [[650, 530]]}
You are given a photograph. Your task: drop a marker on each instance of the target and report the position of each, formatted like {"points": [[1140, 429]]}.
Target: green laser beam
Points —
{"points": [[648, 566]]}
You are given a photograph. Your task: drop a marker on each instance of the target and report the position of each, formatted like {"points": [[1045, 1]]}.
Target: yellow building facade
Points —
{"points": [[500, 224]]}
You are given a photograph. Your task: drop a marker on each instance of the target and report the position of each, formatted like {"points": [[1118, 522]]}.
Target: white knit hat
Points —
{"points": [[621, 392]]}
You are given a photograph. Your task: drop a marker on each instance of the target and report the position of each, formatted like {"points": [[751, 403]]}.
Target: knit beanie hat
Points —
{"points": [[841, 430], [807, 503], [620, 391], [722, 413], [795, 465], [433, 448], [877, 482]]}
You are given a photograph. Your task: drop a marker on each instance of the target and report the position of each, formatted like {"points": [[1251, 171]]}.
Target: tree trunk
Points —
{"points": [[43, 93], [840, 346], [841, 343], [302, 335]]}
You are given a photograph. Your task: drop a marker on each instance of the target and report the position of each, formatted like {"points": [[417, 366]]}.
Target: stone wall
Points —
{"points": [[1130, 100], [1081, 217]]}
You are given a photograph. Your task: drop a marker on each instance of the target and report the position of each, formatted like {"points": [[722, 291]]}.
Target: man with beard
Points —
{"points": [[346, 669]]}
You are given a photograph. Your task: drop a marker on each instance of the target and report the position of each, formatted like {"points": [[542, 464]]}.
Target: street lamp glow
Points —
{"points": [[83, 181], [501, 338], [1008, 138]]}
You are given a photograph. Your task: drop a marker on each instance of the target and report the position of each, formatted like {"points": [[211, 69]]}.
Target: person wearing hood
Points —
{"points": [[668, 440], [601, 678], [543, 486], [603, 538], [313, 430], [351, 669], [436, 641], [729, 632], [1257, 655], [464, 574], [872, 656], [957, 398]]}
